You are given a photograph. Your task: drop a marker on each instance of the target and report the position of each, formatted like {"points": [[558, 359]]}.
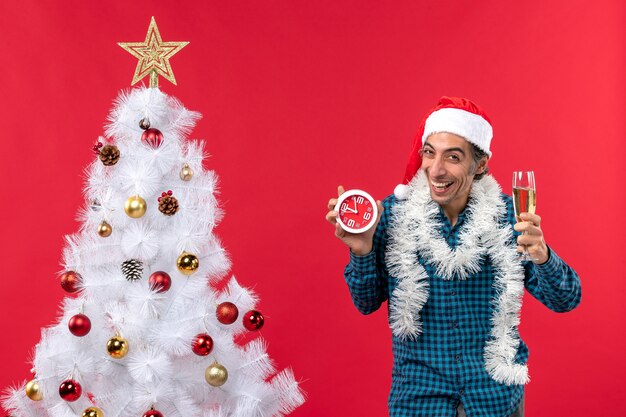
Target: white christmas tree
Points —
{"points": [[144, 331]]}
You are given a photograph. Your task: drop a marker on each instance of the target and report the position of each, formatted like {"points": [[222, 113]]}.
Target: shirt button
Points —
{"points": [[455, 324], [461, 391], [457, 358], [452, 292]]}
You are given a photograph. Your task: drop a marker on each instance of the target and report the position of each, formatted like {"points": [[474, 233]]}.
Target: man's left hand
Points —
{"points": [[532, 237]]}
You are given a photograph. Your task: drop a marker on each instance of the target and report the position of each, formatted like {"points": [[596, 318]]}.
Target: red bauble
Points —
{"points": [[227, 313], [160, 281], [202, 344], [70, 281], [253, 320], [70, 390], [153, 413], [152, 137], [79, 325]]}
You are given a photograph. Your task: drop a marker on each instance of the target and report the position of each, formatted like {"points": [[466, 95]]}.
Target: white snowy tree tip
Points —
{"points": [[291, 395], [152, 104], [244, 298], [257, 363]]}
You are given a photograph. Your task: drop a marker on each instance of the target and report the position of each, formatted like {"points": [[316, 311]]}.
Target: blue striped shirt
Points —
{"points": [[445, 365]]}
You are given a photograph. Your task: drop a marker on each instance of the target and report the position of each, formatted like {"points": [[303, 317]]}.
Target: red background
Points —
{"points": [[299, 96]]}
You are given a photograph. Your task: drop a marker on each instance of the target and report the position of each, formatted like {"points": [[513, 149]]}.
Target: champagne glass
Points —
{"points": [[524, 198]]}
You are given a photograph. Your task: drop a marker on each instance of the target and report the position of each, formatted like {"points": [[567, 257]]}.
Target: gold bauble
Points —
{"points": [[186, 173], [216, 375], [187, 263], [117, 347], [33, 391], [105, 229], [93, 412], [135, 207]]}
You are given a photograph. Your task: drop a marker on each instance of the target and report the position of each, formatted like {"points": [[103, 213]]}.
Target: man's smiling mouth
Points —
{"points": [[441, 186]]}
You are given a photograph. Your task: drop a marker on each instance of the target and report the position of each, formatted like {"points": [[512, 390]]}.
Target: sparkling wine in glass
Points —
{"points": [[524, 198]]}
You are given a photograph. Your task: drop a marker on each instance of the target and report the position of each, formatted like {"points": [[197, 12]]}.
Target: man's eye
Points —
{"points": [[454, 158], [427, 152]]}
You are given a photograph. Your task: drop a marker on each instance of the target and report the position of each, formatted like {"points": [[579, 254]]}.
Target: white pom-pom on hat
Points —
{"points": [[401, 191]]}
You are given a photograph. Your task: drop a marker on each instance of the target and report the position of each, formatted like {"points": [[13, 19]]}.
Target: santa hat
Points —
{"points": [[459, 116]]}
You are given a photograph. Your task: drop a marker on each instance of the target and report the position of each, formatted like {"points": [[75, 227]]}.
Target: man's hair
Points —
{"points": [[477, 155]]}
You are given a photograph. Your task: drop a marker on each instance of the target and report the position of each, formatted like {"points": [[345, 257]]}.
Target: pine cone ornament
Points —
{"points": [[132, 269], [168, 204], [109, 155]]}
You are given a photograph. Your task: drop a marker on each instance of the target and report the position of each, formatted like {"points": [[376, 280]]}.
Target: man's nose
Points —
{"points": [[437, 168]]}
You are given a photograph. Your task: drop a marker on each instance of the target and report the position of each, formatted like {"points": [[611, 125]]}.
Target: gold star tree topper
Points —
{"points": [[153, 55]]}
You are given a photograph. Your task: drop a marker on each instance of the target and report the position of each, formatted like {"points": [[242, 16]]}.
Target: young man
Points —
{"points": [[445, 253]]}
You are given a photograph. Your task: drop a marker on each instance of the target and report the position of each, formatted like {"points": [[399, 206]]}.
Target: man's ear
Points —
{"points": [[482, 165]]}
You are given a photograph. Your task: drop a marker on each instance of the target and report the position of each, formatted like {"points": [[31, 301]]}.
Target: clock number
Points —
{"points": [[351, 222], [367, 216], [360, 200], [344, 206]]}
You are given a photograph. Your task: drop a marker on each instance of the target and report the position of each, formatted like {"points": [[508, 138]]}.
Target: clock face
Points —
{"points": [[357, 211]]}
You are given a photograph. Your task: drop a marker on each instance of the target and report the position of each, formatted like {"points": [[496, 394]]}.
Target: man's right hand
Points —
{"points": [[359, 243]]}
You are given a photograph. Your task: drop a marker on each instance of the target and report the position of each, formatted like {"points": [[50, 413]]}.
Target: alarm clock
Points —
{"points": [[356, 211]]}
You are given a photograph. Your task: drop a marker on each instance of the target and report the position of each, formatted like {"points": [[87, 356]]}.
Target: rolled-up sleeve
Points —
{"points": [[367, 289], [554, 283]]}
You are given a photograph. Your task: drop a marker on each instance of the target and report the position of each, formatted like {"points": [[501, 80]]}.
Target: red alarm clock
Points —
{"points": [[357, 211]]}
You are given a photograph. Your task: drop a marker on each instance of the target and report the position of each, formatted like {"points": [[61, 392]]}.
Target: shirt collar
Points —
{"points": [[459, 221]]}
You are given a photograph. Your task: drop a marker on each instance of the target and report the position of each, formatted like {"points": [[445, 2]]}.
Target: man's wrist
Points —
{"points": [[363, 265], [544, 259], [363, 252]]}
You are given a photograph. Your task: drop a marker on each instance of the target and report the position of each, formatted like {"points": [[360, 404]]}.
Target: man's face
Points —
{"points": [[448, 163]]}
